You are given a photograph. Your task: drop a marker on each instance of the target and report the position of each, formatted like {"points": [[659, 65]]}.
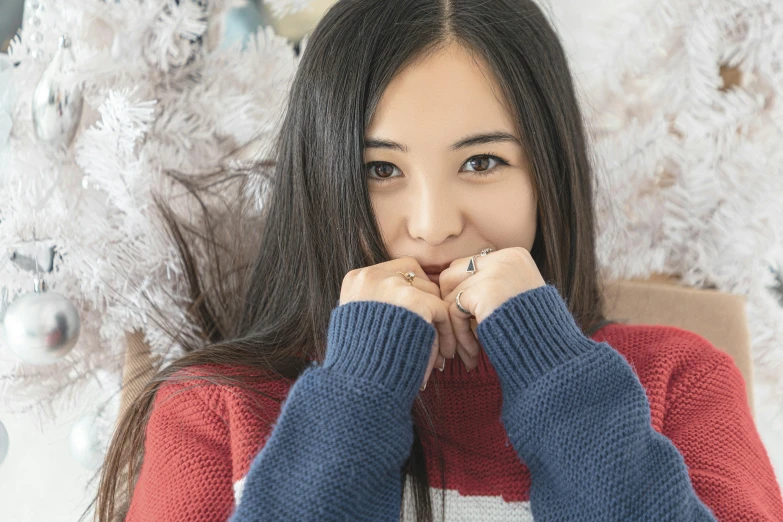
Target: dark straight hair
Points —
{"points": [[263, 285]]}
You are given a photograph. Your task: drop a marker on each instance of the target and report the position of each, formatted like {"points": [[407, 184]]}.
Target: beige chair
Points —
{"points": [[717, 316], [138, 369]]}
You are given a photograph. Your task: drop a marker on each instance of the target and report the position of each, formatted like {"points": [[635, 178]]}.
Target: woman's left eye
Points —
{"points": [[481, 163]]}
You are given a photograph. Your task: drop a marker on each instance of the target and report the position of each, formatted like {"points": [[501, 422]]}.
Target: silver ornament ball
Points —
{"points": [[41, 327], [58, 99], [85, 443]]}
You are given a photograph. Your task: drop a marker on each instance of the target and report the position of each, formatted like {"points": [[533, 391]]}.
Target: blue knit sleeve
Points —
{"points": [[578, 417], [345, 428]]}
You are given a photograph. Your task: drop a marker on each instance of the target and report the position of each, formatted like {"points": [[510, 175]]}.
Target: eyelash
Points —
{"points": [[501, 162]]}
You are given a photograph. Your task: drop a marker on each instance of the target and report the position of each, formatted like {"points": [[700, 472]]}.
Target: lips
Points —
{"points": [[433, 271]]}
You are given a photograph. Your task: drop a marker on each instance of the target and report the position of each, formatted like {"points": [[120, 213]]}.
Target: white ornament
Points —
{"points": [[3, 442], [58, 99], [41, 327], [85, 442], [35, 26]]}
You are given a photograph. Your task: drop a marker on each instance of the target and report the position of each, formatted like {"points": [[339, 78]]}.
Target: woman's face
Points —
{"points": [[447, 195]]}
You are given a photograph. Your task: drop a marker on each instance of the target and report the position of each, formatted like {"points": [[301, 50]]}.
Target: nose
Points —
{"points": [[434, 216]]}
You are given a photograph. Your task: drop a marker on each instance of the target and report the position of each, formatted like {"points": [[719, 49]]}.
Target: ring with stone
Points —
{"points": [[408, 277], [472, 263]]}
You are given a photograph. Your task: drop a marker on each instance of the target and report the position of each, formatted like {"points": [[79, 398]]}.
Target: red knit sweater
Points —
{"points": [[201, 440]]}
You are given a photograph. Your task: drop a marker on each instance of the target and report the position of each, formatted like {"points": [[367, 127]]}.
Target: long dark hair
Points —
{"points": [[262, 288]]}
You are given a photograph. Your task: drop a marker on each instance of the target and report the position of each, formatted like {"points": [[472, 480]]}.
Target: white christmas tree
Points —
{"points": [[158, 94]]}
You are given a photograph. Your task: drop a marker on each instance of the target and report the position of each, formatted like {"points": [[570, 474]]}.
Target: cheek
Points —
{"points": [[508, 216], [387, 214], [383, 210]]}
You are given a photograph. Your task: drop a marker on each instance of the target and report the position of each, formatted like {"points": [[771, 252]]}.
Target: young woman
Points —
{"points": [[431, 208]]}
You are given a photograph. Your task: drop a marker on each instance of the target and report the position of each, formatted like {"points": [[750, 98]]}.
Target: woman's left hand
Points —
{"points": [[500, 275]]}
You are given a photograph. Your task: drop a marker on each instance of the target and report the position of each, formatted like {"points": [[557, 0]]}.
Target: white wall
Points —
{"points": [[39, 479]]}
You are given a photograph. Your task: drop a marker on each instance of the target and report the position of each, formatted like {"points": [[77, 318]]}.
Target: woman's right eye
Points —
{"points": [[380, 171]]}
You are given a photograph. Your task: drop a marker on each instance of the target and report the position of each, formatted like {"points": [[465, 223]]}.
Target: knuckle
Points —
{"points": [[348, 280], [363, 275], [430, 305], [423, 311], [515, 255], [391, 291]]}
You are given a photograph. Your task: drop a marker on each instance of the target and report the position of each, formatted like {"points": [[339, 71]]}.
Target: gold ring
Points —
{"points": [[408, 276]]}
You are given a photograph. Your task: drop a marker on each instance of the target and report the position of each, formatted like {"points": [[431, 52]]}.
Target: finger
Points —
{"points": [[467, 360], [447, 343], [442, 323], [453, 276], [460, 323], [440, 363], [457, 272], [420, 281], [430, 363]]}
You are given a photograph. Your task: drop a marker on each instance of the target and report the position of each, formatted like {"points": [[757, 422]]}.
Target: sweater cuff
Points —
{"points": [[531, 334], [381, 343]]}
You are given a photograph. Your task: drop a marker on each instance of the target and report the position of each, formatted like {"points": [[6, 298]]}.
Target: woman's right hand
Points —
{"points": [[382, 283]]}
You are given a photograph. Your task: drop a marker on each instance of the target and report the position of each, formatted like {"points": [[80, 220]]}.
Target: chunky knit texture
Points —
{"points": [[638, 422]]}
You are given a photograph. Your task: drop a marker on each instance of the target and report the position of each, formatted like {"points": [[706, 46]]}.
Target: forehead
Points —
{"points": [[439, 99]]}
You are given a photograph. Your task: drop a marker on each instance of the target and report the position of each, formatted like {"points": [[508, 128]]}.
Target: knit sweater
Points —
{"points": [[636, 422]]}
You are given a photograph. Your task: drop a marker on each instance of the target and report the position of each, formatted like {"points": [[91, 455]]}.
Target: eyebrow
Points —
{"points": [[476, 139]]}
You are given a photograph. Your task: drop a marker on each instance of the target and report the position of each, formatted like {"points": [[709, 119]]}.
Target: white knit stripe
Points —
{"points": [[238, 485], [469, 508], [459, 508]]}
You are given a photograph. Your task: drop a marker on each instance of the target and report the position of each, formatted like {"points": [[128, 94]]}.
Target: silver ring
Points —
{"points": [[472, 264], [459, 305]]}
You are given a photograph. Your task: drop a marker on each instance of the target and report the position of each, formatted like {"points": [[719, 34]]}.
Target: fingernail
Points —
{"points": [[442, 365], [423, 387]]}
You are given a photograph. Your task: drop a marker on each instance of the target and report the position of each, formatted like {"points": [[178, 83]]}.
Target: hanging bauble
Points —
{"points": [[3, 442], [41, 326], [85, 442], [57, 99]]}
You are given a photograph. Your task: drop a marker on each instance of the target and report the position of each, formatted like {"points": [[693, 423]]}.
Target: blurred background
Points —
{"points": [[239, 24]]}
